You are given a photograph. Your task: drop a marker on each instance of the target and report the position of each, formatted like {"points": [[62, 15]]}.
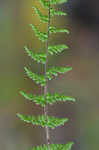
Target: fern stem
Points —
{"points": [[46, 86]]}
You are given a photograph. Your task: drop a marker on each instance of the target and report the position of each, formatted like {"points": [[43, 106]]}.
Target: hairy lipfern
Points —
{"points": [[47, 98]]}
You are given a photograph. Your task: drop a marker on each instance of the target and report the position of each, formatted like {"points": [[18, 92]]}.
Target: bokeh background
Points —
{"points": [[82, 82]]}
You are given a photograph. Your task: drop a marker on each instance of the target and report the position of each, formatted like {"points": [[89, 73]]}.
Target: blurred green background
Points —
{"points": [[82, 82]]}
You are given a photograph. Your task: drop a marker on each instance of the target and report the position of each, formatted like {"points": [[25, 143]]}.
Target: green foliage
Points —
{"points": [[53, 12], [55, 49], [42, 36], [41, 120], [45, 3], [46, 99], [39, 79], [54, 147], [39, 100], [41, 17], [55, 70], [53, 29], [51, 98], [39, 57], [54, 2]]}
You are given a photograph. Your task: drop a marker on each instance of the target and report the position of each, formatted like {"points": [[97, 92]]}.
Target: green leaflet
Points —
{"points": [[53, 98], [53, 12], [51, 121], [53, 29], [50, 99], [54, 2], [45, 3], [55, 49], [39, 57], [41, 35], [67, 146], [44, 36], [39, 79], [54, 147], [55, 70], [39, 100], [41, 17]]}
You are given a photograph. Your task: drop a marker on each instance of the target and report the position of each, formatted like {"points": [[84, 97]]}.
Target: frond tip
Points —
{"points": [[67, 146], [51, 121]]}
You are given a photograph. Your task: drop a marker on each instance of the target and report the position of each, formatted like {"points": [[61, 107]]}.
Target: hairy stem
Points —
{"points": [[46, 86]]}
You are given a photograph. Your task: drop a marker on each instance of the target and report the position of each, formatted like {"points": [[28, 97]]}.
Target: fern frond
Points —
{"points": [[51, 121], [50, 98], [67, 146], [39, 79], [55, 49], [47, 98], [53, 29], [55, 70], [39, 57], [41, 17], [53, 12], [41, 35]]}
